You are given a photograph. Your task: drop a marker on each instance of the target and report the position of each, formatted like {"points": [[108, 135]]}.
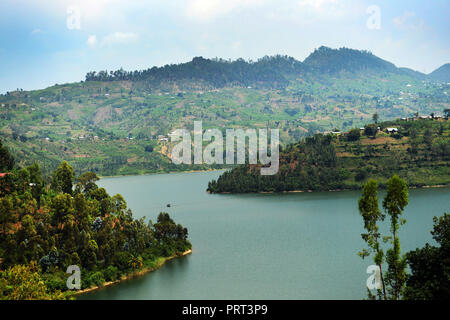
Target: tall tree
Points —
{"points": [[63, 177], [375, 117], [368, 208], [394, 203], [86, 182]]}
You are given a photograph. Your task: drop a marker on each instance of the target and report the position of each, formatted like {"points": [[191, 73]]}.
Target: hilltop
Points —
{"points": [[417, 150], [118, 122], [441, 74]]}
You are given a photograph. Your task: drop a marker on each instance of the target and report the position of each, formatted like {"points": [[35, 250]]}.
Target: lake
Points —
{"points": [[261, 246]]}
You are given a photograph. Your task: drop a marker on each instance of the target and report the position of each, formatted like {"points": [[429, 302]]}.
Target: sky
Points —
{"points": [[44, 42]]}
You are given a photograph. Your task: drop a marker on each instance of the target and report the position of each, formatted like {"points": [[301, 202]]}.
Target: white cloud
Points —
{"points": [[400, 20], [92, 40], [210, 9], [409, 21], [36, 31], [119, 38], [316, 3], [308, 12]]}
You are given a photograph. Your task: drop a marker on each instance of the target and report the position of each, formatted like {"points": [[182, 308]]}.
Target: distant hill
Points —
{"points": [[117, 122], [275, 72], [413, 73], [266, 72], [327, 60], [441, 74]]}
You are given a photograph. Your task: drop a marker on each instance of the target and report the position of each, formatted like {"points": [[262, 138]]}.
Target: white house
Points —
{"points": [[392, 130]]}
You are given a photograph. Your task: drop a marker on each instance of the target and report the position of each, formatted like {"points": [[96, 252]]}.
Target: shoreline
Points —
{"points": [[131, 275], [155, 173], [337, 190]]}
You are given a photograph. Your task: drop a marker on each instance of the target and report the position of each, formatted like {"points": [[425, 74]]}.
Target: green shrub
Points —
{"points": [[111, 273], [97, 278], [122, 260]]}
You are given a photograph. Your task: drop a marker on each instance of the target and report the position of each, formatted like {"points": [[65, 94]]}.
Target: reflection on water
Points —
{"points": [[261, 246]]}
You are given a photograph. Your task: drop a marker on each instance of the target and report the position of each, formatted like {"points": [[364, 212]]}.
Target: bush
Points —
{"points": [[122, 260], [111, 273], [54, 283], [361, 175], [353, 135], [97, 278]]}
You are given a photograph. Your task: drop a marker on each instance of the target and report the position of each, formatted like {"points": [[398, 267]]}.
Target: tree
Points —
{"points": [[353, 135], [370, 130], [62, 206], [375, 117], [63, 177], [149, 148], [86, 182], [6, 213], [368, 208], [430, 266], [24, 282], [394, 203], [396, 199], [6, 159], [428, 138], [447, 113]]}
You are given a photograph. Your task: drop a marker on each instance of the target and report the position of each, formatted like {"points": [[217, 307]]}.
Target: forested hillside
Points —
{"points": [[117, 122], [419, 152], [46, 228]]}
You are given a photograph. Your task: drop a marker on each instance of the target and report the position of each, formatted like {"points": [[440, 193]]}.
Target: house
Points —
{"points": [[162, 138], [392, 130]]}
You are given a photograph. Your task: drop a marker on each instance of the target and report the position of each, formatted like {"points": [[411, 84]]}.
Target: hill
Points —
{"points": [[118, 122], [441, 74], [327, 60], [419, 153]]}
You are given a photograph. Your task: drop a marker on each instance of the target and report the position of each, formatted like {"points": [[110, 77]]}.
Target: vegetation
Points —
{"points": [[419, 153], [44, 229], [429, 277], [393, 281], [110, 124]]}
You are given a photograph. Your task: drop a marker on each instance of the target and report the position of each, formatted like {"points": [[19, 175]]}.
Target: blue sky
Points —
{"points": [[57, 41]]}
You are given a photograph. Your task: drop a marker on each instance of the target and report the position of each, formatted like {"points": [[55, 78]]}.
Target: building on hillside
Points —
{"points": [[391, 130], [162, 138]]}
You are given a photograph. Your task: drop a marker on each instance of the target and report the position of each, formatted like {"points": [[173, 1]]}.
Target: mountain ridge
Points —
{"points": [[275, 71]]}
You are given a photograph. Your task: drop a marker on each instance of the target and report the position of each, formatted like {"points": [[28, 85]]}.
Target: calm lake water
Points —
{"points": [[261, 246]]}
